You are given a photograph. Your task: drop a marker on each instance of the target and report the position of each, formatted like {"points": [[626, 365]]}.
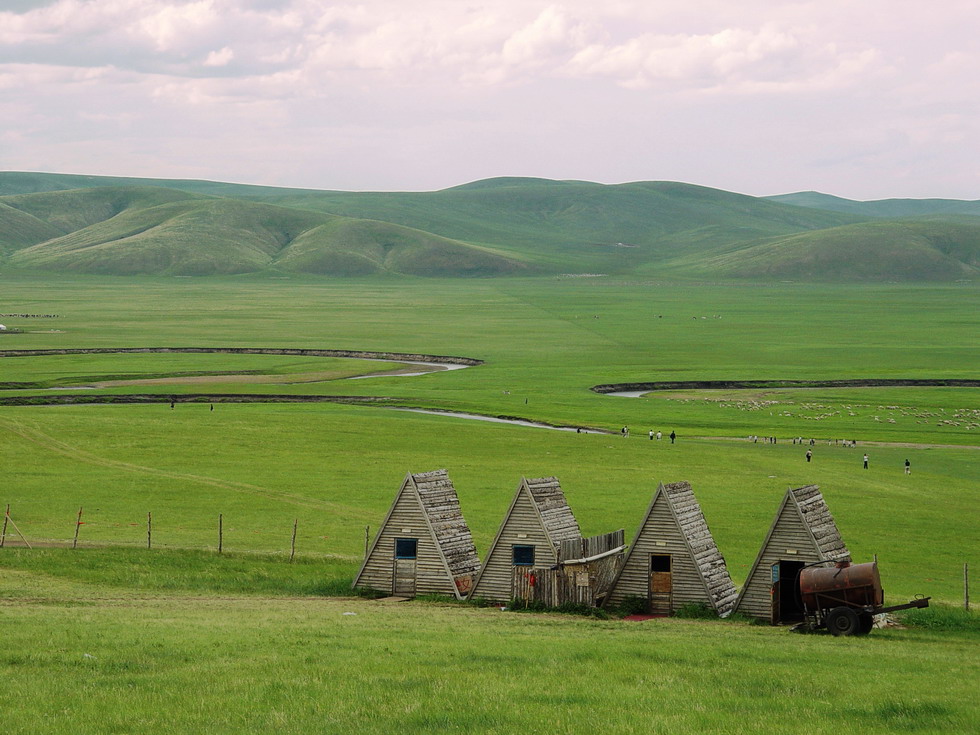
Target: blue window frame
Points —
{"points": [[523, 555], [406, 548]]}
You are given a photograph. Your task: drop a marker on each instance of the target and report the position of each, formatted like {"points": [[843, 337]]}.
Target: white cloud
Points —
{"points": [[515, 82], [220, 58]]}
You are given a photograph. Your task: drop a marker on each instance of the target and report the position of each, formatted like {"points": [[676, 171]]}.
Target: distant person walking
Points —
{"points": [[809, 455], [651, 434], [908, 467], [659, 435], [865, 461], [672, 437]]}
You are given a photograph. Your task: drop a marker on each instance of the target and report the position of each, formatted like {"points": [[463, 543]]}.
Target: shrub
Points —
{"points": [[696, 611], [632, 605], [941, 617]]}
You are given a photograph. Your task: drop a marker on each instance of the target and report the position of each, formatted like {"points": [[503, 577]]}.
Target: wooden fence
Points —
{"points": [[583, 575]]}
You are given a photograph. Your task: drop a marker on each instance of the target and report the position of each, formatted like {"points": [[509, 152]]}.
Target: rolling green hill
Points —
{"points": [[925, 249], [149, 231], [886, 208], [493, 227]]}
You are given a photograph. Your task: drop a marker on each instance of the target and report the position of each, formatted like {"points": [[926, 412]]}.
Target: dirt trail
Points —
{"points": [[823, 443]]}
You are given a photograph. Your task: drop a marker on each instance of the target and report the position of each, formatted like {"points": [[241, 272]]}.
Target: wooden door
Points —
{"points": [[661, 585], [404, 578]]}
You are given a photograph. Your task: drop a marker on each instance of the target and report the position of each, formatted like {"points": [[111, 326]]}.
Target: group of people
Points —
{"points": [[866, 460], [625, 432]]}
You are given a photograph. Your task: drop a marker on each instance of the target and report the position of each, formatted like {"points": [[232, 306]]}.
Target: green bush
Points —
{"points": [[632, 605], [696, 611], [942, 617]]}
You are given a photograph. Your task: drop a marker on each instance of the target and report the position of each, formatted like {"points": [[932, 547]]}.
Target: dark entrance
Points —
{"points": [[786, 604]]}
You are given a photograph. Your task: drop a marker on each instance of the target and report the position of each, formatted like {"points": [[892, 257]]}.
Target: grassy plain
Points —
{"points": [[258, 665], [167, 628]]}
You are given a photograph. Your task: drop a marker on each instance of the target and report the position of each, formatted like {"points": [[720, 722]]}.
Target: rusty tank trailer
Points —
{"points": [[845, 598]]}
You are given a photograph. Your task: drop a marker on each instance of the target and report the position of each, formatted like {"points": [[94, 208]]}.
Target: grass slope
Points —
{"points": [[136, 231], [927, 249], [495, 227], [237, 665], [887, 208]]}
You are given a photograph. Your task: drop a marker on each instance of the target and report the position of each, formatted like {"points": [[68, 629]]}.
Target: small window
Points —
{"points": [[523, 556], [406, 548], [660, 563]]}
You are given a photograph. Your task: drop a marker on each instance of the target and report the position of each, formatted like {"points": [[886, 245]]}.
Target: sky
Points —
{"points": [[865, 99]]}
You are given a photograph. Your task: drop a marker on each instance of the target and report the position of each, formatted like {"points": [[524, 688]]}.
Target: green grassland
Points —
{"points": [[498, 227], [298, 666], [180, 639]]}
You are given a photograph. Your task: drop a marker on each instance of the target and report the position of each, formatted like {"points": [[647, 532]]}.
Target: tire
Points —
{"points": [[867, 622], [843, 621]]}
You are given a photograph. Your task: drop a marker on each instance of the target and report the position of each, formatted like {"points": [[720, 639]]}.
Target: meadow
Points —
{"points": [[156, 622]]}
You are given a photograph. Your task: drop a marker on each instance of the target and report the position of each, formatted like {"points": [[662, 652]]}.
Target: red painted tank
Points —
{"points": [[845, 584]]}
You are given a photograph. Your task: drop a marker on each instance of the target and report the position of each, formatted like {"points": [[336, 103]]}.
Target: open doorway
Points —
{"points": [[786, 604]]}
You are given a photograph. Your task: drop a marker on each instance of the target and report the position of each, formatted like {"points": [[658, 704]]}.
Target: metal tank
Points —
{"points": [[845, 598], [845, 584]]}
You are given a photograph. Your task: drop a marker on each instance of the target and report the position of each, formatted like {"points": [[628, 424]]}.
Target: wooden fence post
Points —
{"points": [[149, 530], [367, 536], [292, 548], [78, 523], [3, 534], [221, 531], [19, 532], [966, 585]]}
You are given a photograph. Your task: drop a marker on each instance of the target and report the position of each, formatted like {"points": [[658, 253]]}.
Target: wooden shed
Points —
{"points": [[673, 560], [424, 545], [536, 523], [802, 533]]}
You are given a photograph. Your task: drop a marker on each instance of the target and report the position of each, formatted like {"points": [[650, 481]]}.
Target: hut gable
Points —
{"points": [[538, 517], [674, 560], [424, 545], [803, 532]]}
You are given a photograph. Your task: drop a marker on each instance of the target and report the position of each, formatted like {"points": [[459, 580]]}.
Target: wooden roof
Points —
{"points": [[707, 558], [556, 517], [441, 507], [816, 517]]}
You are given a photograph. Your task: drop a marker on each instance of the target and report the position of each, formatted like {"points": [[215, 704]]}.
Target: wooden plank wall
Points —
{"points": [[552, 587], [660, 535], [789, 533], [582, 548], [497, 577], [431, 572]]}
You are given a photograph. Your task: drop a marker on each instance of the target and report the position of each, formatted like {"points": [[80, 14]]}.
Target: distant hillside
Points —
{"points": [[134, 231], [493, 227], [911, 250], [885, 208]]}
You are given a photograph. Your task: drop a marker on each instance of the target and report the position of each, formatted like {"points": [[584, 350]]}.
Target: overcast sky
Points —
{"points": [[860, 98]]}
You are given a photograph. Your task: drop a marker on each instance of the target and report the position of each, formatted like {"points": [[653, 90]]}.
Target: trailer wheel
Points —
{"points": [[867, 621], [843, 621]]}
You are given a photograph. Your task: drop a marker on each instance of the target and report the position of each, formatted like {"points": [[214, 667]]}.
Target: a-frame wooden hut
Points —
{"points": [[424, 545], [673, 559], [536, 523], [802, 533]]}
